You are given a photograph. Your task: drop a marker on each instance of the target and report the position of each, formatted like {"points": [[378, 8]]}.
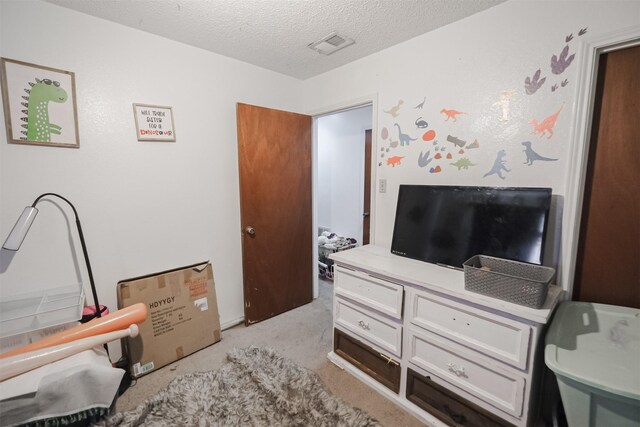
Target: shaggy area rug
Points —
{"points": [[258, 387]]}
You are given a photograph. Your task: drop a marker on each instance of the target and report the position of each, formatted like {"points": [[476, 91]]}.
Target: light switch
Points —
{"points": [[382, 185]]}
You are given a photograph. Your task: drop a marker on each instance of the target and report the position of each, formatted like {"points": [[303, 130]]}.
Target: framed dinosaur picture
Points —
{"points": [[39, 105]]}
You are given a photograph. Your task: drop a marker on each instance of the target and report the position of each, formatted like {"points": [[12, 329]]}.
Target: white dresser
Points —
{"points": [[410, 330]]}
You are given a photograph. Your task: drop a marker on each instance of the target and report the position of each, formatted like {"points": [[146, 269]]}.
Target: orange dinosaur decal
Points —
{"points": [[546, 125], [451, 114], [395, 160]]}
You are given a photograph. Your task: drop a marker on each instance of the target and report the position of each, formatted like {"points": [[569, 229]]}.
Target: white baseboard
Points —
{"points": [[230, 324]]}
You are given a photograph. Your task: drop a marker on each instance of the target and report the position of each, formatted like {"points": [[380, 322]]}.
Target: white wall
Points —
{"points": [[145, 207], [469, 66], [341, 171]]}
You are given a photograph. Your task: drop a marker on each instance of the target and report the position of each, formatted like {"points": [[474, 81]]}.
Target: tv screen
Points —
{"points": [[450, 224]]}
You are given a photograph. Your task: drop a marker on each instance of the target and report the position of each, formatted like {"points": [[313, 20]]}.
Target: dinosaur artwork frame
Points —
{"points": [[39, 104]]}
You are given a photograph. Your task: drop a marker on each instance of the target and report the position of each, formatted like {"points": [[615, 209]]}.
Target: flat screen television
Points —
{"points": [[450, 224]]}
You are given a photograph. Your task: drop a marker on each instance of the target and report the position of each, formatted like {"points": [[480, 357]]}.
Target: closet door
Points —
{"points": [[608, 264]]}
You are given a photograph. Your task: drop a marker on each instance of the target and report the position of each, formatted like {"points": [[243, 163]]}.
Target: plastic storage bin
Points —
{"points": [[513, 281], [40, 309], [594, 351]]}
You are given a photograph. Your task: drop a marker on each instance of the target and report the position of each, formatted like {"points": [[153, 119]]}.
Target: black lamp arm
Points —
{"points": [[84, 247]]}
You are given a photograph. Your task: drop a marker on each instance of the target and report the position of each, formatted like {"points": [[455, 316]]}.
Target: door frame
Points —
{"points": [[363, 101], [579, 141]]}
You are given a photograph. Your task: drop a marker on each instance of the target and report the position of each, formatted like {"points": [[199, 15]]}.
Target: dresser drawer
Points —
{"points": [[504, 339], [384, 333], [373, 292], [378, 366], [446, 405], [467, 370]]}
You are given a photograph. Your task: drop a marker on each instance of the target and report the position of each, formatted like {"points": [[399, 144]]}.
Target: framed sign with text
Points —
{"points": [[154, 123]]}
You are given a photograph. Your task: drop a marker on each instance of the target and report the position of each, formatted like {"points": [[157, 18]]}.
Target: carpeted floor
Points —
{"points": [[303, 335]]}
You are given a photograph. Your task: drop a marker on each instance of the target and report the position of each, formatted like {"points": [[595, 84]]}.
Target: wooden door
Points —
{"points": [[608, 263], [366, 210], [274, 155]]}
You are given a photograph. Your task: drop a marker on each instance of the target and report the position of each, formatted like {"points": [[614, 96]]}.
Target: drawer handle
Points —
{"points": [[458, 370], [363, 325], [389, 360], [458, 418]]}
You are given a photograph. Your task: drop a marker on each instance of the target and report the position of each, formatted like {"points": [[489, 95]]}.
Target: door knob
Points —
{"points": [[366, 214], [250, 230]]}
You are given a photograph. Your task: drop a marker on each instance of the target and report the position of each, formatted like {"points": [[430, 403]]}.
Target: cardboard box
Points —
{"points": [[183, 316]]}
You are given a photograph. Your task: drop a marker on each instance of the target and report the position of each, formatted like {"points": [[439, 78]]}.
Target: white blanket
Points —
{"points": [[68, 386]]}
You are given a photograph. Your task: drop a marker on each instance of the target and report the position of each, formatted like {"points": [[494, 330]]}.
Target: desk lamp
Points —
{"points": [[21, 229]]}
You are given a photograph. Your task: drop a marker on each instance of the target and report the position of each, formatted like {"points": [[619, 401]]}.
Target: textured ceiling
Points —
{"points": [[274, 34]]}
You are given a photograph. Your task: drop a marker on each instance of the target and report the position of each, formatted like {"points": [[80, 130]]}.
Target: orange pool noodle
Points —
{"points": [[120, 319]]}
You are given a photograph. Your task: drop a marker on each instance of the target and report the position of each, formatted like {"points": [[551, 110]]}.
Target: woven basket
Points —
{"points": [[513, 281]]}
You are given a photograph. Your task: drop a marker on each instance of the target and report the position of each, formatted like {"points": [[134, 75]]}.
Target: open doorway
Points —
{"points": [[343, 189]]}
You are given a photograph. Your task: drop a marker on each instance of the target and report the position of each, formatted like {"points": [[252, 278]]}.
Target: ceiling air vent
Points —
{"points": [[331, 43]]}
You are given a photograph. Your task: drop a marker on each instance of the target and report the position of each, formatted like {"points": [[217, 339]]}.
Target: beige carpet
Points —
{"points": [[304, 335]]}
